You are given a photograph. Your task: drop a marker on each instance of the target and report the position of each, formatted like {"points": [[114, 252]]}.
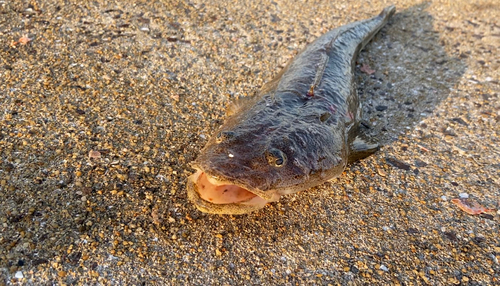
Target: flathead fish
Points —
{"points": [[300, 130]]}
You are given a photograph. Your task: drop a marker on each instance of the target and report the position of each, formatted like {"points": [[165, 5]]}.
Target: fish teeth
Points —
{"points": [[213, 180]]}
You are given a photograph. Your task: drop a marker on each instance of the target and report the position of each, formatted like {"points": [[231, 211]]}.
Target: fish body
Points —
{"points": [[300, 130]]}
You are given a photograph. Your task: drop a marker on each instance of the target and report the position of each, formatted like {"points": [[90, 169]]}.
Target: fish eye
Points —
{"points": [[223, 136], [276, 157]]}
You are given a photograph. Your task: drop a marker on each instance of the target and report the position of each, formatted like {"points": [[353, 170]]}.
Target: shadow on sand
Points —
{"points": [[413, 74]]}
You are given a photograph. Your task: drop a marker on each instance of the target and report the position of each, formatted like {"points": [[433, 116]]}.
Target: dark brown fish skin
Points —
{"points": [[308, 115]]}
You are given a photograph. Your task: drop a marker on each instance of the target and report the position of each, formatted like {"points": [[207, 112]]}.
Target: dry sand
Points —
{"points": [[145, 83]]}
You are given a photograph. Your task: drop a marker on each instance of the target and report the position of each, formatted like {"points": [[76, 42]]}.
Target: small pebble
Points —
{"points": [[94, 154], [463, 195]]}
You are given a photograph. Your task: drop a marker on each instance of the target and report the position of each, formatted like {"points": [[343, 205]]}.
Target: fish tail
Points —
{"points": [[388, 12], [376, 23]]}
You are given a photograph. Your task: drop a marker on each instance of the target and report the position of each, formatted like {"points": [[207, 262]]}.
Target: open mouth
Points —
{"points": [[215, 196]]}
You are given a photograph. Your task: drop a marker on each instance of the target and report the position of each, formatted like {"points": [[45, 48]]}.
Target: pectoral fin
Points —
{"points": [[241, 104], [238, 105], [363, 145]]}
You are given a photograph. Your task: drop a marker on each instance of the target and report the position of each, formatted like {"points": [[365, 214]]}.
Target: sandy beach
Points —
{"points": [[103, 104]]}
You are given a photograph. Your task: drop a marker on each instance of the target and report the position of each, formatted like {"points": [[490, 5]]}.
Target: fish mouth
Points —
{"points": [[212, 195]]}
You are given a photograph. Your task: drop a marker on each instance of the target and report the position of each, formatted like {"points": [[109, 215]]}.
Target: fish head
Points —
{"points": [[252, 161]]}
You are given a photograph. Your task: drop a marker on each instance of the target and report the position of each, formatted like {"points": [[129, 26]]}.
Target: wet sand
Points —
{"points": [[104, 105]]}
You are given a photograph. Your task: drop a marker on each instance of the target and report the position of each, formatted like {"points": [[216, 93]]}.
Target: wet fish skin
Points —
{"points": [[299, 131]]}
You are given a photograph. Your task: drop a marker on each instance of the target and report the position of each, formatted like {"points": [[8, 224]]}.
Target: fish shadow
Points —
{"points": [[413, 74]]}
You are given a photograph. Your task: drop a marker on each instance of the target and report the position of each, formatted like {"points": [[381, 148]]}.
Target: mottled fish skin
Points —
{"points": [[299, 131]]}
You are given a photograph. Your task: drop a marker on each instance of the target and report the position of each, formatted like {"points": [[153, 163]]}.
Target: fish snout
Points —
{"points": [[224, 136]]}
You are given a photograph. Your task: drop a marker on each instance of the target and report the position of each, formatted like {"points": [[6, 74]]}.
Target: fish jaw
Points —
{"points": [[219, 197]]}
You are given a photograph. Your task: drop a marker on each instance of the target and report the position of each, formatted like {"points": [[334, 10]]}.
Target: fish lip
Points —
{"points": [[266, 195], [208, 207]]}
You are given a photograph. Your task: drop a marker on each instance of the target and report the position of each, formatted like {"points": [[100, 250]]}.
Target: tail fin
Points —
{"points": [[377, 23], [388, 12]]}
